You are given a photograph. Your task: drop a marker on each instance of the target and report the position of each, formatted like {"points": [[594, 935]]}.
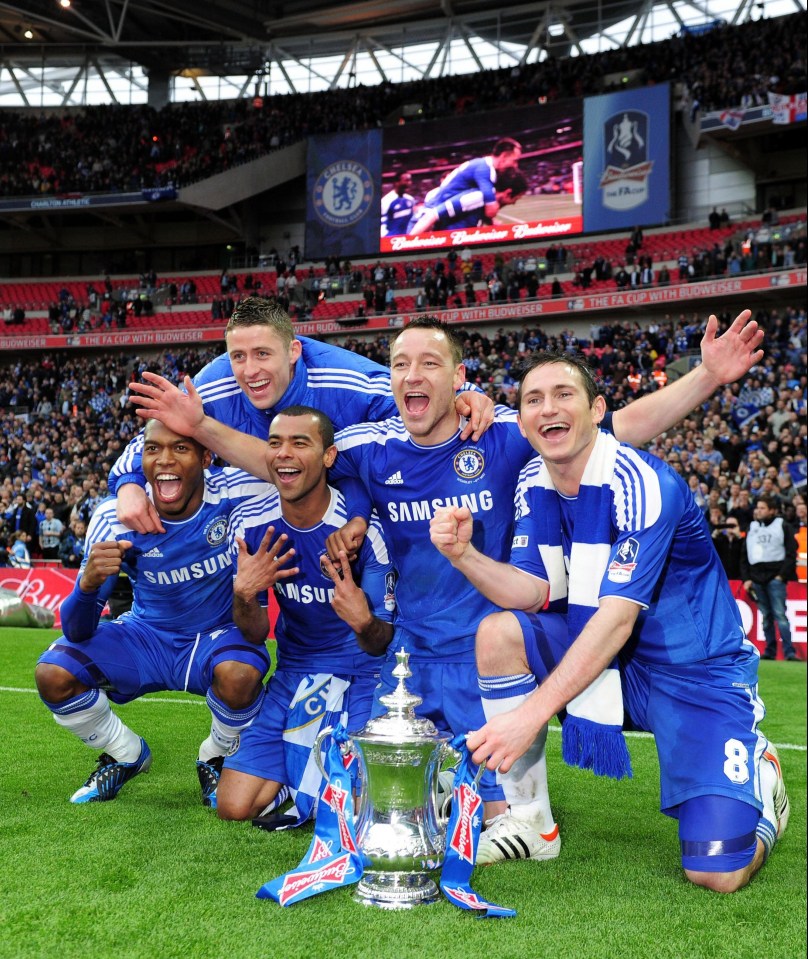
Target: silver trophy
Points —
{"points": [[398, 829]]}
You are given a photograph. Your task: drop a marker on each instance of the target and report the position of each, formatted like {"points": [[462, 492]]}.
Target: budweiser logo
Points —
{"points": [[319, 850], [337, 799], [468, 897], [639, 172], [332, 874], [468, 802]]}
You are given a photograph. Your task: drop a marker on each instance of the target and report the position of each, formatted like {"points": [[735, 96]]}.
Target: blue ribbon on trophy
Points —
{"points": [[333, 858], [462, 837]]}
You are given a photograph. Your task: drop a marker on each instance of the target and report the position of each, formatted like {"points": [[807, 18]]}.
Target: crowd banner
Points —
{"points": [[49, 586]]}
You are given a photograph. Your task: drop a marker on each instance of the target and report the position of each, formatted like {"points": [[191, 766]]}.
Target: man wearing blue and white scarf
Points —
{"points": [[640, 617]]}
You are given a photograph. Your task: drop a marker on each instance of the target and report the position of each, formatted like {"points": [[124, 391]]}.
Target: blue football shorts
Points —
{"points": [[704, 717], [127, 658], [451, 699]]}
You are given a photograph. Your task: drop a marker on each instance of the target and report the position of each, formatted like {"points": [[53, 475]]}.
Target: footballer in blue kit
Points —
{"points": [[268, 368], [479, 174], [614, 539], [413, 464], [179, 634], [323, 675], [397, 205], [468, 209]]}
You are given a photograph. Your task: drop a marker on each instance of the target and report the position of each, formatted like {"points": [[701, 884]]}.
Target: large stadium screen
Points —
{"points": [[439, 190], [532, 174]]}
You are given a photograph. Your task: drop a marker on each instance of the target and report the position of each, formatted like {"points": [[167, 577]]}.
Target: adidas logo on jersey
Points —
{"points": [[394, 479], [154, 553]]}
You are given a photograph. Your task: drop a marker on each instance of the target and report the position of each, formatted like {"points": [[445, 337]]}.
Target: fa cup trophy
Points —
{"points": [[398, 829]]}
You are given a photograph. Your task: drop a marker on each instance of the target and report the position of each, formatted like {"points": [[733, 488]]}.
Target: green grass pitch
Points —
{"points": [[154, 874]]}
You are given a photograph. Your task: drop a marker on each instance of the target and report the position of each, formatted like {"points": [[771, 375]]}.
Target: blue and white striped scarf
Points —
{"points": [[592, 731]]}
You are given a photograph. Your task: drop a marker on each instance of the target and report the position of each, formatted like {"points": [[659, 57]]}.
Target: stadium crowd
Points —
{"points": [[65, 418], [82, 151], [64, 421], [458, 279]]}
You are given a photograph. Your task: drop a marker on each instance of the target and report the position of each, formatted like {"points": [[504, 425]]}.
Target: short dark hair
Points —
{"points": [[505, 145], [430, 322], [511, 180], [325, 425], [770, 502], [545, 358], [259, 311]]}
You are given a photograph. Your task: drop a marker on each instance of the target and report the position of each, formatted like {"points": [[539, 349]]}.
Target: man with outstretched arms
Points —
{"points": [[330, 613], [179, 634], [266, 368], [641, 618], [418, 461]]}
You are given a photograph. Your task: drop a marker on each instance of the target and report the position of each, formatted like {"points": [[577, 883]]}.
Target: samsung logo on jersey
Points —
{"points": [[184, 574], [424, 509], [304, 594]]}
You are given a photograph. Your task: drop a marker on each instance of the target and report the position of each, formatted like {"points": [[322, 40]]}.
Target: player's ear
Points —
{"points": [[329, 455], [598, 409], [207, 459], [519, 424], [295, 349]]}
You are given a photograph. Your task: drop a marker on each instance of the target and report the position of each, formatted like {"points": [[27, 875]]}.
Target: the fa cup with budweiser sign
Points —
{"points": [[399, 831]]}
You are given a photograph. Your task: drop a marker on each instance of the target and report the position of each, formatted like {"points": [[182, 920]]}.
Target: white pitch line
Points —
{"points": [[201, 702]]}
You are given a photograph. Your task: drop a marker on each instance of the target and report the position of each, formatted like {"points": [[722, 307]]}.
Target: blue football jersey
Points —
{"points": [[458, 211], [183, 578], [478, 174], [346, 386], [436, 603], [396, 213], [662, 558], [310, 635]]}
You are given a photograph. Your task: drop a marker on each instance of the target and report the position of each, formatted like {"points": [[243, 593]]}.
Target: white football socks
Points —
{"points": [[99, 728], [525, 783], [222, 741]]}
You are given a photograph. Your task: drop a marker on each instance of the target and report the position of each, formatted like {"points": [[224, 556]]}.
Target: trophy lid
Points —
{"points": [[400, 724]]}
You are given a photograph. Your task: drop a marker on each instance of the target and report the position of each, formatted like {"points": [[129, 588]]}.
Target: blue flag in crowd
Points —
{"points": [[798, 472], [745, 413]]}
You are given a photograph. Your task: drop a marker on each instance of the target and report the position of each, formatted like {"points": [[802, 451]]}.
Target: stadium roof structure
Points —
{"points": [[76, 52]]}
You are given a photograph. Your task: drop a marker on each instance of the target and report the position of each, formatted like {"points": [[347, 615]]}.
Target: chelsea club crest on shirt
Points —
{"points": [[469, 464], [216, 531]]}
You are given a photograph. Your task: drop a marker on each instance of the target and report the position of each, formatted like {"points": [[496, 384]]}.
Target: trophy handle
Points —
{"points": [[317, 749], [445, 751]]}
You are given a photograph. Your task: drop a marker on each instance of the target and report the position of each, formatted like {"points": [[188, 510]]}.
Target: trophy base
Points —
{"points": [[396, 890]]}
